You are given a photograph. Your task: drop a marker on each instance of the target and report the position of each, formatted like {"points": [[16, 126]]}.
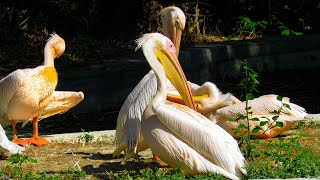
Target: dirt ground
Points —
{"points": [[95, 158]]}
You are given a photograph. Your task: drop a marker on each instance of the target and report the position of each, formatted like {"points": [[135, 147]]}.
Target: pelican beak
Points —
{"points": [[177, 40], [176, 75]]}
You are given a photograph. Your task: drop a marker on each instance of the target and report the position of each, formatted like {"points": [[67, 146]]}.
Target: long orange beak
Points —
{"points": [[176, 75], [177, 40]]}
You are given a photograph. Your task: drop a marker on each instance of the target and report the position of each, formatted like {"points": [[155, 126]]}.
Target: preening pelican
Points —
{"points": [[261, 108], [8, 146], [179, 135], [25, 93], [208, 98], [128, 130]]}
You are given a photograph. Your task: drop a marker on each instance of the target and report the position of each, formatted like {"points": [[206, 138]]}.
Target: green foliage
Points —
{"points": [[85, 137], [248, 29], [285, 158], [155, 173], [248, 85], [18, 160], [151, 22], [249, 82]]}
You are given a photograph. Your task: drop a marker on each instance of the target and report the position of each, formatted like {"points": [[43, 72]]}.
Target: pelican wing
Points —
{"points": [[62, 102], [264, 105], [128, 130], [203, 136], [6, 145]]}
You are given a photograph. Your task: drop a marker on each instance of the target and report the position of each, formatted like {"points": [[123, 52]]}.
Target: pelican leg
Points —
{"points": [[15, 138], [36, 139], [157, 159]]}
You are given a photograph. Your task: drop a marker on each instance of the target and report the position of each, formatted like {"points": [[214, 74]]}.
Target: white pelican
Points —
{"points": [[128, 130], [261, 108], [228, 107], [8, 146], [25, 93], [177, 134], [208, 97]]}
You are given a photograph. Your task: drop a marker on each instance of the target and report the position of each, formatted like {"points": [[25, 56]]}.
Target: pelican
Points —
{"points": [[262, 108], [8, 146], [177, 134], [25, 93], [128, 130], [208, 97]]}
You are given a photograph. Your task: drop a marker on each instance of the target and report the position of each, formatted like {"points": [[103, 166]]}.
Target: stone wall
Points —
{"points": [[107, 85]]}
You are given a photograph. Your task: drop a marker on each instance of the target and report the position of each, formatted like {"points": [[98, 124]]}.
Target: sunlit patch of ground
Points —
{"points": [[95, 158]]}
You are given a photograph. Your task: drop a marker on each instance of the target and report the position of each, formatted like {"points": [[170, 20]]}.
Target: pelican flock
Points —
{"points": [[184, 124], [179, 135], [128, 130]]}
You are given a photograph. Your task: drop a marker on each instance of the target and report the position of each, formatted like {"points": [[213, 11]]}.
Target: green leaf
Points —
{"points": [[287, 105], [242, 126], [249, 96], [281, 139], [307, 28], [232, 119], [279, 98], [241, 117], [279, 124], [262, 123], [285, 32], [275, 118], [256, 129], [255, 119]]}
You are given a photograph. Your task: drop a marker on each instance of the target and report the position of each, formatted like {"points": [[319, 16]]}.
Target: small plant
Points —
{"points": [[248, 85], [249, 29], [85, 137], [19, 160]]}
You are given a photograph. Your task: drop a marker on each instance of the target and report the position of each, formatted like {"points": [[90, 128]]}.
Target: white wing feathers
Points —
{"points": [[62, 101], [196, 131], [128, 130], [263, 105], [6, 145]]}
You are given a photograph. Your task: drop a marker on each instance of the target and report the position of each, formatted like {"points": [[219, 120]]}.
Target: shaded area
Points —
{"points": [[299, 85]]}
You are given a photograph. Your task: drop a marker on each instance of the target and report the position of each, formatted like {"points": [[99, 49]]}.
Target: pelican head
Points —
{"points": [[173, 22], [161, 56], [54, 48], [56, 44]]}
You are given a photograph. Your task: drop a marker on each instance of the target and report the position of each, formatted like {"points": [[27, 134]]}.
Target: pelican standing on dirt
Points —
{"points": [[177, 134], [128, 130], [25, 93]]}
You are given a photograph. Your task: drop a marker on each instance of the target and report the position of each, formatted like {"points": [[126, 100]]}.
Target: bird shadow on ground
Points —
{"points": [[114, 165]]}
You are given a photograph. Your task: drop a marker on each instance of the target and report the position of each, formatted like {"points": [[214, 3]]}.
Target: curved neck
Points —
{"points": [[48, 55], [156, 66]]}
